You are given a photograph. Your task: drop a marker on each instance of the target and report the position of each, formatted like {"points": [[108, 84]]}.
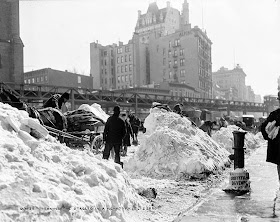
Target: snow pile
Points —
{"points": [[96, 110], [43, 180], [224, 137], [173, 147]]}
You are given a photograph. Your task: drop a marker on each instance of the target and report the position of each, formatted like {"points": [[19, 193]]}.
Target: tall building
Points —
{"points": [[164, 48], [11, 46], [234, 78]]}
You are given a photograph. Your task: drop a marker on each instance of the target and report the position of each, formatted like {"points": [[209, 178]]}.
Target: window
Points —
{"points": [[105, 53], [33, 80], [182, 51], [125, 68], [169, 45], [79, 79], [169, 64], [130, 67], [119, 79], [38, 79], [129, 57], [42, 78], [170, 74], [177, 42], [122, 59], [119, 50], [175, 53], [125, 58], [105, 62], [118, 60], [175, 62], [182, 72], [118, 69], [163, 51], [182, 62], [126, 78], [122, 69], [123, 78], [169, 53]]}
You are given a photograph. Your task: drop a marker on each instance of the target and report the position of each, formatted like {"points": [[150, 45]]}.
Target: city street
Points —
{"points": [[261, 204]]}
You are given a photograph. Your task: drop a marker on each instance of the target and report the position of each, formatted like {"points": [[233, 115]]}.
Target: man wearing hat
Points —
{"points": [[270, 131], [113, 135]]}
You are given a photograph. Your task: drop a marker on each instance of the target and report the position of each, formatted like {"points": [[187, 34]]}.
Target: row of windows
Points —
{"points": [[170, 74], [124, 78], [175, 63], [125, 68], [122, 59], [36, 80], [105, 53], [105, 81], [104, 62], [120, 49], [175, 52]]}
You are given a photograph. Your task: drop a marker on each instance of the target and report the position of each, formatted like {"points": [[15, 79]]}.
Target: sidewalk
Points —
{"points": [[261, 204]]}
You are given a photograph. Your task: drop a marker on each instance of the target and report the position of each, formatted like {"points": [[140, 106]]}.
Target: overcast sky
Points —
{"points": [[57, 33]]}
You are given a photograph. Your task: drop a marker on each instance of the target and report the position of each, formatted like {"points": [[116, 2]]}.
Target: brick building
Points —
{"points": [[164, 48], [234, 79], [11, 46], [54, 77]]}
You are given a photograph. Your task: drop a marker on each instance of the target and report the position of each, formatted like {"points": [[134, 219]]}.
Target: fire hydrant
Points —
{"points": [[239, 178]]}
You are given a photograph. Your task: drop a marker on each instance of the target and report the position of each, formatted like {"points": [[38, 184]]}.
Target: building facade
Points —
{"points": [[164, 48], [11, 46], [54, 77], [234, 79]]}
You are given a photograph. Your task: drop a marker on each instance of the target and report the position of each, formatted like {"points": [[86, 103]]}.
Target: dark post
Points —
{"points": [[238, 147]]}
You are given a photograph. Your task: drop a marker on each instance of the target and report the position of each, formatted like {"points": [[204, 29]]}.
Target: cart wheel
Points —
{"points": [[97, 144]]}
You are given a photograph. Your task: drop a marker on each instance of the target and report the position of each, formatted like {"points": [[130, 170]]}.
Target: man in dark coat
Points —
{"points": [[113, 135], [129, 133], [273, 145]]}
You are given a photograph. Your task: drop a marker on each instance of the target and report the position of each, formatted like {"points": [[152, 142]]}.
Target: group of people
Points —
{"points": [[117, 134]]}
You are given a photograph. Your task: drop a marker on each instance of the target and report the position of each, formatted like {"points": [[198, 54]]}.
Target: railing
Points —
{"points": [[33, 93]]}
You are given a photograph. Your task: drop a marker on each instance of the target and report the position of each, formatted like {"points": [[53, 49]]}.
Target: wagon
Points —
{"points": [[83, 128]]}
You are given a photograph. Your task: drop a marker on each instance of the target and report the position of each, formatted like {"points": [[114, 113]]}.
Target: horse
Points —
{"points": [[47, 116]]}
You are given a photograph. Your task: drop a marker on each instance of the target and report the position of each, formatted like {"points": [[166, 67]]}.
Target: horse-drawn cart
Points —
{"points": [[75, 128]]}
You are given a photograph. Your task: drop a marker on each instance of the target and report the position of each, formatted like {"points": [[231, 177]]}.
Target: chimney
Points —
{"points": [[139, 13], [168, 4]]}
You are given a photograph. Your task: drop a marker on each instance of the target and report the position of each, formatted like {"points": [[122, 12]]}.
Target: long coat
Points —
{"points": [[114, 130], [129, 133], [273, 146]]}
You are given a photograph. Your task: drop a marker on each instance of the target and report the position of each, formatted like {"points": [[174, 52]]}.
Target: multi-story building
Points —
{"points": [[51, 77], [103, 65], [164, 48], [11, 46], [234, 78]]}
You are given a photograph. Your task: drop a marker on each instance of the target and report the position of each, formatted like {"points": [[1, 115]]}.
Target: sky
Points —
{"points": [[57, 33]]}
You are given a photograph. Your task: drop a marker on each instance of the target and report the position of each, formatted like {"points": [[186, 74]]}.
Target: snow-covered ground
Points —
{"points": [[43, 180]]}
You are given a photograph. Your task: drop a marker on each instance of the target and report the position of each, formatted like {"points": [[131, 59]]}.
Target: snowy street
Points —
{"points": [[44, 180]]}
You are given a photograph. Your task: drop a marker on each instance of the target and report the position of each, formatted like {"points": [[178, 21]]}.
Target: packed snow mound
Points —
{"points": [[96, 110], [224, 137], [172, 146], [43, 180]]}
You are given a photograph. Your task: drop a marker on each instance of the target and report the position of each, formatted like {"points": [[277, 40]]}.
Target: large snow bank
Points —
{"points": [[172, 147], [43, 180], [224, 137], [96, 110]]}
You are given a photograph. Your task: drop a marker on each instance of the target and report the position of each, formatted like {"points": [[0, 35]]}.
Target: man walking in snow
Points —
{"points": [[113, 135]]}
